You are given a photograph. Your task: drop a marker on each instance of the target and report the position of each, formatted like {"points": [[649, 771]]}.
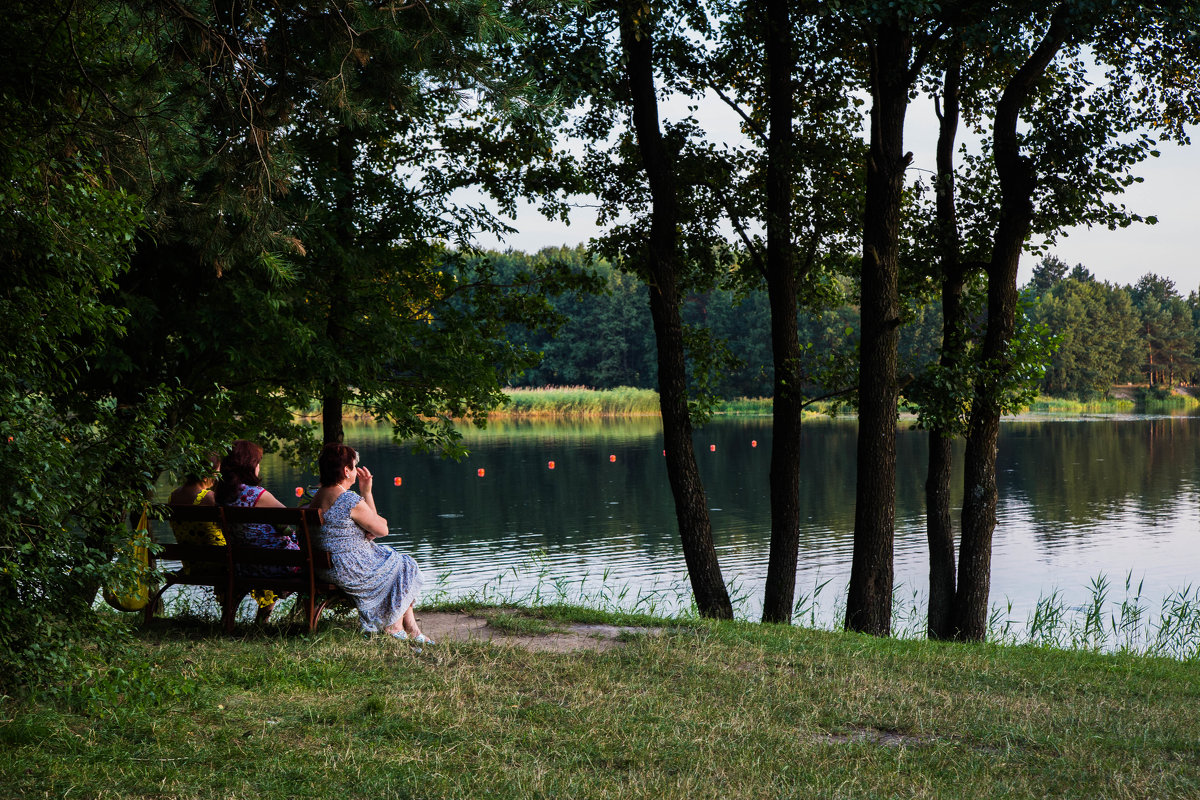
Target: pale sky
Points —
{"points": [[1168, 249], [1169, 192]]}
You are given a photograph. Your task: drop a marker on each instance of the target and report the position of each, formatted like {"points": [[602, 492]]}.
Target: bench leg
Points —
{"points": [[229, 609], [154, 604]]}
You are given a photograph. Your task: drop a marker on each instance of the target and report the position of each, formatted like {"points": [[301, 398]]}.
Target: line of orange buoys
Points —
{"points": [[481, 472]]}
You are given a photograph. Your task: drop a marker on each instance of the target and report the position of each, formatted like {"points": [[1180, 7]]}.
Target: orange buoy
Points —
{"points": [[299, 492], [712, 448], [612, 458], [480, 472], [397, 480], [754, 442], [550, 465]]}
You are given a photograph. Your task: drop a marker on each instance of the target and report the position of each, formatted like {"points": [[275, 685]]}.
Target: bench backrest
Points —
{"points": [[305, 520], [218, 565]]}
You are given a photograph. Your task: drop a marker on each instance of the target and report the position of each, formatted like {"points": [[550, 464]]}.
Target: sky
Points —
{"points": [[1170, 191]]}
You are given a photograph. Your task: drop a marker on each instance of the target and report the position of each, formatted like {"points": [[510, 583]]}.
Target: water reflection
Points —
{"points": [[1078, 498]]}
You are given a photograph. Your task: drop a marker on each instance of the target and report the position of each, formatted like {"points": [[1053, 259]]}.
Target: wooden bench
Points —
{"points": [[220, 566]]}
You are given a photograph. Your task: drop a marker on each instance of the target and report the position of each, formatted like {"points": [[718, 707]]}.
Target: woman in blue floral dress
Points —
{"points": [[383, 582]]}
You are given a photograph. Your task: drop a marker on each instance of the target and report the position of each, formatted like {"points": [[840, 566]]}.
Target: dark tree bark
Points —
{"points": [[1017, 183], [785, 337], [869, 603], [332, 431], [691, 506], [939, 528], [333, 397]]}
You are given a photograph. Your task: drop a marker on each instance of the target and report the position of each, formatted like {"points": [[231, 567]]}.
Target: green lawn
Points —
{"points": [[704, 710]]}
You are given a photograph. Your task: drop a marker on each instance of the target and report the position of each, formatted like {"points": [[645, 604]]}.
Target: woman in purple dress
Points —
{"points": [[383, 582], [241, 486]]}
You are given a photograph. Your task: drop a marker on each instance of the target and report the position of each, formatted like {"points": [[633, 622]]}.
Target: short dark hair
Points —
{"points": [[214, 467], [332, 462]]}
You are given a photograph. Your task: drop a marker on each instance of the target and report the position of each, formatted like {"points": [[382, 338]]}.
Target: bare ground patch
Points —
{"points": [[566, 638]]}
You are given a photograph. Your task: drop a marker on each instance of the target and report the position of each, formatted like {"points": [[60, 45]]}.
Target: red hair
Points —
{"points": [[333, 461], [238, 468]]}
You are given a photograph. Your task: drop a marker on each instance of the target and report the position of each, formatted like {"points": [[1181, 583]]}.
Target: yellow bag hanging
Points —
{"points": [[134, 597]]}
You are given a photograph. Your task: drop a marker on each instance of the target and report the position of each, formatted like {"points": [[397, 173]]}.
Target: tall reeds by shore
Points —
{"points": [[549, 402], [580, 401], [623, 401]]}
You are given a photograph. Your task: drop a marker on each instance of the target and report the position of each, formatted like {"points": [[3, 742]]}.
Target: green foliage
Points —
{"points": [[206, 221]]}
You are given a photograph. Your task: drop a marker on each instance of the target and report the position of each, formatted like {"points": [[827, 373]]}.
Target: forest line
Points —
{"points": [[1099, 334]]}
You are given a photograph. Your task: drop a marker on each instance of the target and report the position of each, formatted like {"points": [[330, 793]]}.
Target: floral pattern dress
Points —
{"points": [[261, 535], [382, 581]]}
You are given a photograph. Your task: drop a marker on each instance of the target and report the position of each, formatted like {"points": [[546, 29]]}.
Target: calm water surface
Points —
{"points": [[1078, 499]]}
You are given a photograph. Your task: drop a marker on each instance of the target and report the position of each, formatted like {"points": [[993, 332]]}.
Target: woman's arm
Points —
{"points": [[267, 500], [365, 482], [368, 519]]}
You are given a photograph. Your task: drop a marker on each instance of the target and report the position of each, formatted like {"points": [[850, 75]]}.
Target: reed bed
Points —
{"points": [[1064, 405], [746, 407], [567, 401], [553, 401], [1158, 401]]}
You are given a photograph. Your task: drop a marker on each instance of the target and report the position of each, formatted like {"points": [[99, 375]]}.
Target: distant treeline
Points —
{"points": [[1102, 334]]}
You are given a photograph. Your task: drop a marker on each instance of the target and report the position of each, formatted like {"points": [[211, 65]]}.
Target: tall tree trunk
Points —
{"points": [[869, 603], [1017, 183], [939, 528], [334, 394], [332, 431], [691, 506], [785, 338]]}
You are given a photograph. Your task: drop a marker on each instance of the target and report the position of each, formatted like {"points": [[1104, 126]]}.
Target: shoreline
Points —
{"points": [[566, 403]]}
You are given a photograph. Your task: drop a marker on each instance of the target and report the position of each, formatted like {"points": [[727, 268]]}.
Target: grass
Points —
{"points": [[1156, 400], [1063, 405], [704, 710], [1140, 399], [1120, 621], [579, 401], [554, 401]]}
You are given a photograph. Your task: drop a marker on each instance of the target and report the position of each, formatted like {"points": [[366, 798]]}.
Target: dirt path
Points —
{"points": [[568, 637]]}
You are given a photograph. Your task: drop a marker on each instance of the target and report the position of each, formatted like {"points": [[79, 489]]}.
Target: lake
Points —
{"points": [[1079, 499]]}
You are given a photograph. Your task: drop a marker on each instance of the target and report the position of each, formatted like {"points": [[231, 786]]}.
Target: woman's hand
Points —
{"points": [[365, 480]]}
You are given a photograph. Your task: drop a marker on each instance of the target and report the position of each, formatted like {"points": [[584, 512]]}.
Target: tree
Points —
{"points": [[1054, 173], [1095, 326], [1168, 336], [1048, 273], [159, 268], [942, 409], [68, 472], [381, 138], [892, 69], [661, 263], [781, 68]]}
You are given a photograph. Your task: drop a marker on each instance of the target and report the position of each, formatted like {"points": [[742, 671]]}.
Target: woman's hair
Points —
{"points": [[333, 461], [237, 469], [214, 466]]}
